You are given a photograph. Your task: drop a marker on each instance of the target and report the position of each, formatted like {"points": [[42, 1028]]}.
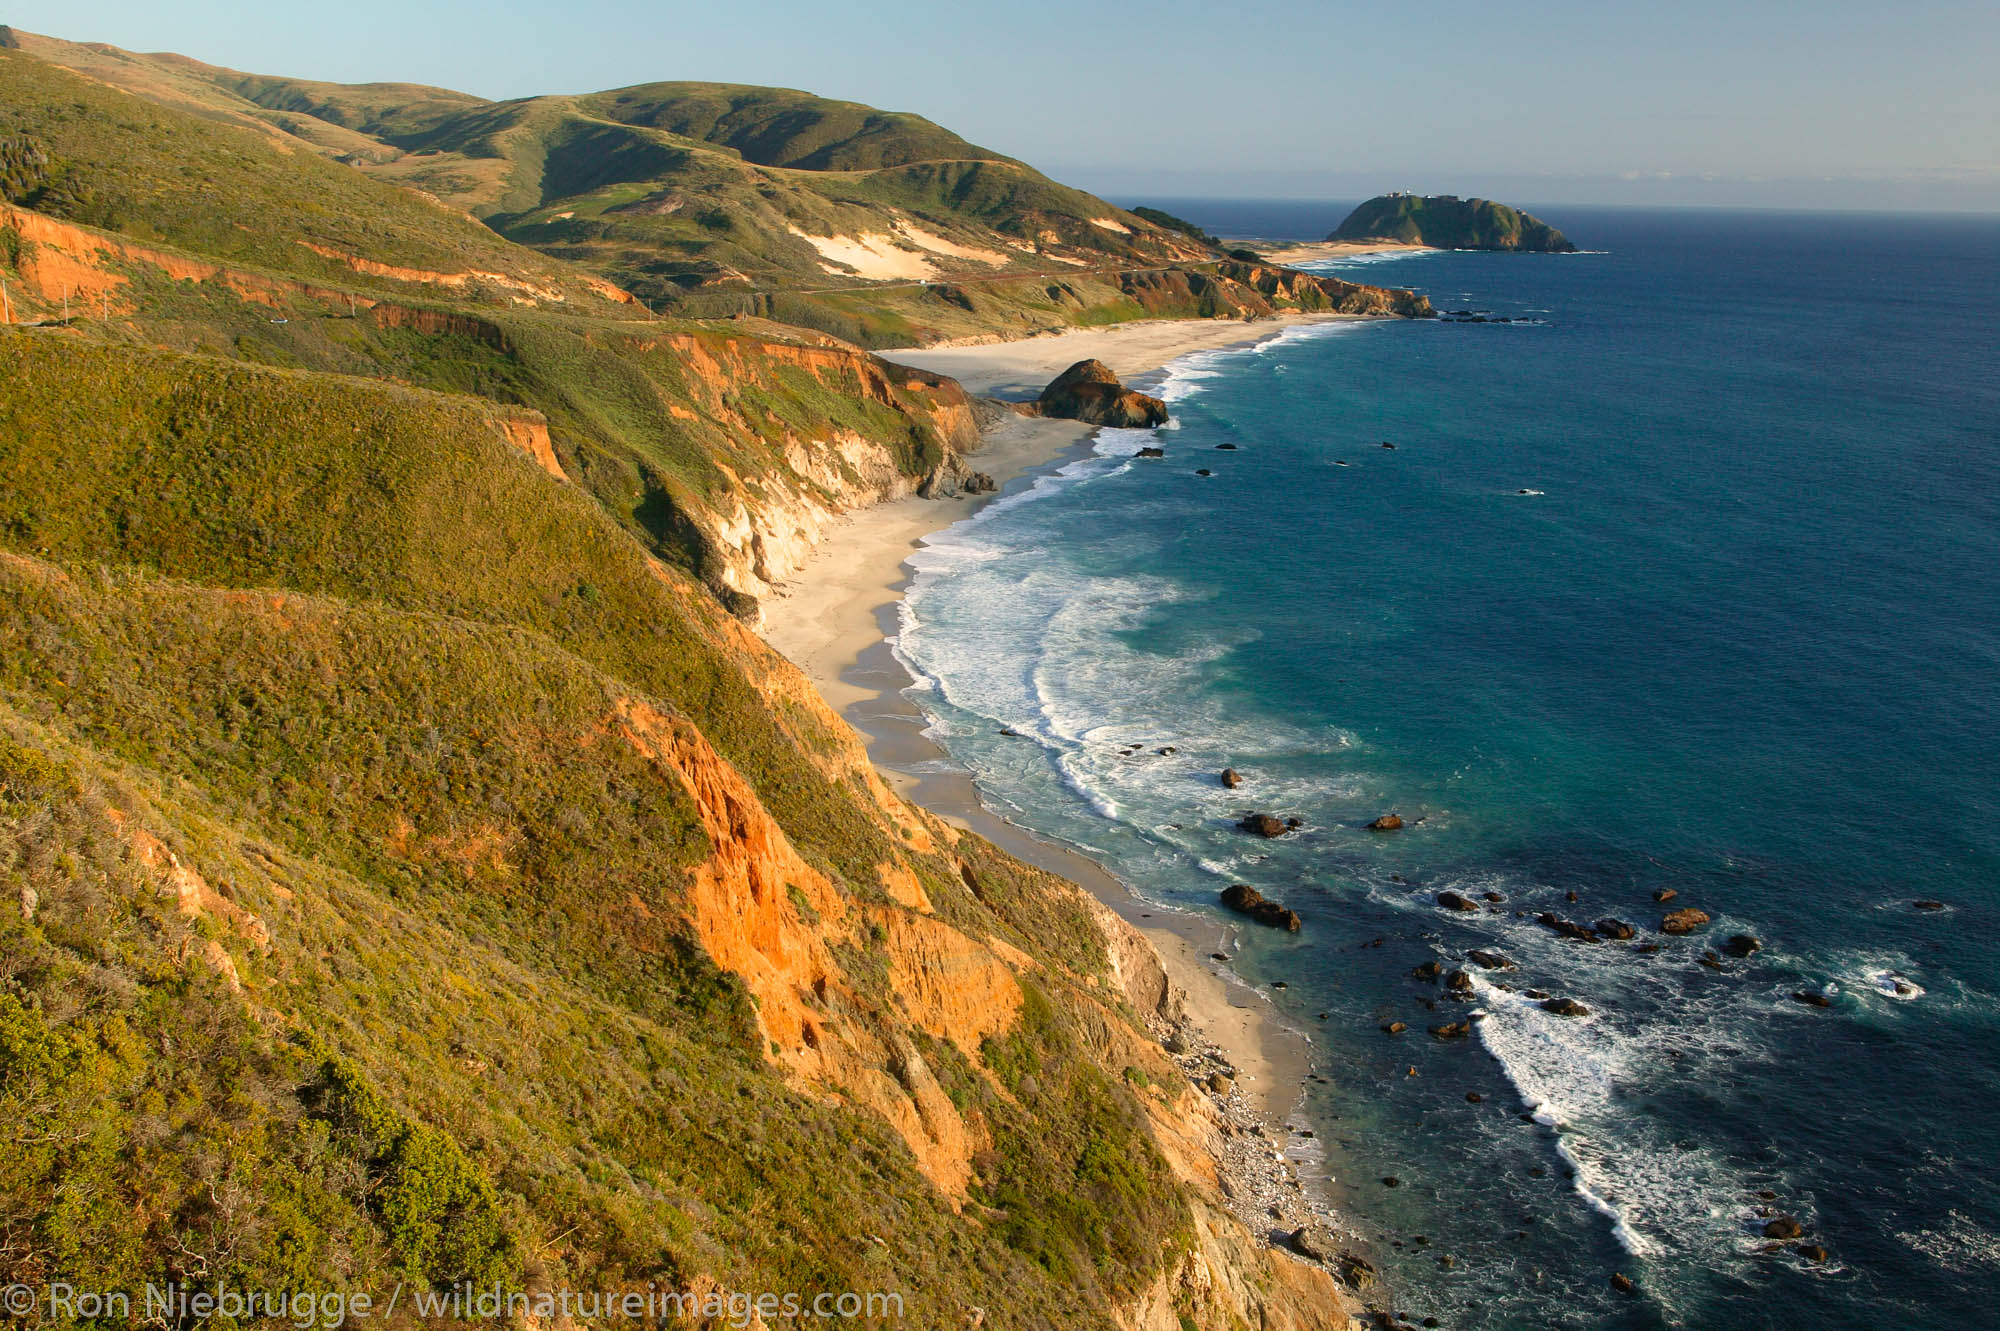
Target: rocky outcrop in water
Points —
{"points": [[1683, 921], [1266, 825], [1247, 900]]}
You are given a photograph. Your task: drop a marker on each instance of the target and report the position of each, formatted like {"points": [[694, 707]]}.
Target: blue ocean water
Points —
{"points": [[1688, 581]]}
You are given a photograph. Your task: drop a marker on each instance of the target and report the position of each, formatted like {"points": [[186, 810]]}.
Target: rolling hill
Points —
{"points": [[715, 200]]}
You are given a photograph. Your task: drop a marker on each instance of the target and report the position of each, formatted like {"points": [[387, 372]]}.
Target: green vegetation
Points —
{"points": [[1446, 221], [473, 1036], [369, 791], [1161, 218], [89, 154], [676, 191]]}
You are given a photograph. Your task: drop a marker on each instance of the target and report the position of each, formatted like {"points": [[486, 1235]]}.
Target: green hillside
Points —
{"points": [[680, 190], [413, 868], [1446, 221], [784, 127], [433, 1006], [721, 201], [89, 154]]}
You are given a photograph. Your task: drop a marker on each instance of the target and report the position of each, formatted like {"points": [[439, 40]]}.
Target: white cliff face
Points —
{"points": [[768, 533], [782, 493]]}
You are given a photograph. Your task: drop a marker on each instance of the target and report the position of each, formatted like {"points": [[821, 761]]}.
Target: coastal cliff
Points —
{"points": [[1445, 221]]}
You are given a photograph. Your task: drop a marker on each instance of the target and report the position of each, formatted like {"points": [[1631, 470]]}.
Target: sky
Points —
{"points": [[1755, 103]]}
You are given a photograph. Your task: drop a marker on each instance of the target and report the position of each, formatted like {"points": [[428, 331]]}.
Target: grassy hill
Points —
{"points": [[86, 153], [680, 190], [408, 879], [720, 200]]}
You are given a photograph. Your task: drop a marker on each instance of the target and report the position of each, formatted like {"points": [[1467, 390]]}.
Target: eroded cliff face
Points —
{"points": [[776, 922], [785, 482]]}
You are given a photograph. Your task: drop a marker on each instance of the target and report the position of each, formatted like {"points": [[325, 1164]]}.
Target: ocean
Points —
{"points": [[1686, 579]]}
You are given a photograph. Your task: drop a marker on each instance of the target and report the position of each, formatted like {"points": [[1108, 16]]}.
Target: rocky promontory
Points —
{"points": [[1447, 222], [1089, 392]]}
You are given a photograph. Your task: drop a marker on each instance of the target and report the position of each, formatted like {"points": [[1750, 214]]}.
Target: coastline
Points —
{"points": [[1019, 369], [833, 619]]}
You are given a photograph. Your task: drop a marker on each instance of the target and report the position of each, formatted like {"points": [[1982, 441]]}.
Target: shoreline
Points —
{"points": [[1019, 369], [1318, 250], [834, 618]]}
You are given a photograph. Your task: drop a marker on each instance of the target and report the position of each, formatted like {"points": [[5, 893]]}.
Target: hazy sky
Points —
{"points": [[1851, 103]]}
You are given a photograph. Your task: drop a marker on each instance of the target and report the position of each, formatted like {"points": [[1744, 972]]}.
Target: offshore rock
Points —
{"points": [[1247, 900], [1683, 921]]}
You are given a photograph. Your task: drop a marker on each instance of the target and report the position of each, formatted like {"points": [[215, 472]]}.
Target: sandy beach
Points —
{"points": [[1021, 369], [1315, 251], [834, 617]]}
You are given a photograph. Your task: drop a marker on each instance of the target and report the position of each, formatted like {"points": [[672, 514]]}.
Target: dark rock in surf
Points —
{"points": [[1388, 822], [1565, 1007], [1567, 928], [1231, 778], [1247, 900], [1491, 961], [1453, 901], [1742, 945], [1783, 1227], [1617, 929], [1812, 998], [1263, 825]]}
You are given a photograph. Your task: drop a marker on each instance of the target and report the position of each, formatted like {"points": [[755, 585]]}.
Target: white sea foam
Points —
{"points": [[1666, 1198], [1958, 1245], [1893, 984]]}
